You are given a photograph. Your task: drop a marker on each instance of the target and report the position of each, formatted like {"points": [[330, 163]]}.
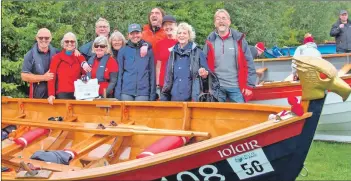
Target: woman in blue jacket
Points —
{"points": [[137, 77], [187, 63]]}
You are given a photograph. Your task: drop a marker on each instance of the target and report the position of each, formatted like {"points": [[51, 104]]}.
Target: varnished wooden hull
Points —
{"points": [[241, 136]]}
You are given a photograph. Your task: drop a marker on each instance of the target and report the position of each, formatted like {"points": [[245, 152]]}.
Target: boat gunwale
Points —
{"points": [[286, 58], [157, 104]]}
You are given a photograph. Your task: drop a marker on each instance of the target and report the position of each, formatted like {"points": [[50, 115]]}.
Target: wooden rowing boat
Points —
{"points": [[229, 141], [335, 121]]}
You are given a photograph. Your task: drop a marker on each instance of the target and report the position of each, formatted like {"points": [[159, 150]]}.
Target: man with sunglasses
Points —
{"points": [[35, 68]]}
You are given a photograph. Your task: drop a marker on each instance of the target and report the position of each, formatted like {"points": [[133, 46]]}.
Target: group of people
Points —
{"points": [[162, 59]]}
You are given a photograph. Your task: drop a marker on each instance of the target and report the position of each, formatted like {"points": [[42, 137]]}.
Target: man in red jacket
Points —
{"points": [[153, 31], [229, 57], [162, 52]]}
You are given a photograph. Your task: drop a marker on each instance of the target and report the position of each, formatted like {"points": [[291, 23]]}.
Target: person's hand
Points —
{"points": [[203, 73], [247, 92], [86, 67], [51, 99], [341, 26], [77, 53], [143, 51], [48, 76]]}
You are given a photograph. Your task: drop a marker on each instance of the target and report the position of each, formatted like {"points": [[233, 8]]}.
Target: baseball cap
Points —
{"points": [[168, 18], [343, 12], [134, 27]]}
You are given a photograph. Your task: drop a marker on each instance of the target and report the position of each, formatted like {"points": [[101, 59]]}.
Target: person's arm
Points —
{"points": [[252, 76], [335, 30], [27, 68], [120, 60], [53, 69], [113, 75], [166, 90], [152, 77], [112, 83], [158, 70], [203, 60]]}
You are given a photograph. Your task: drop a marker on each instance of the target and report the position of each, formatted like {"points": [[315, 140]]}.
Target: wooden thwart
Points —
{"points": [[260, 71], [344, 70], [112, 131]]}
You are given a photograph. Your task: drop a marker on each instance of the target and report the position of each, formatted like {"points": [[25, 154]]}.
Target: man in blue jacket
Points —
{"points": [[137, 76]]}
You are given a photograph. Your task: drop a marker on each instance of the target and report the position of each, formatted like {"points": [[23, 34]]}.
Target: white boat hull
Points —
{"points": [[335, 120]]}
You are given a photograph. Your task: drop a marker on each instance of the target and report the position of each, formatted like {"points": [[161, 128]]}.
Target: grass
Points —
{"points": [[328, 161]]}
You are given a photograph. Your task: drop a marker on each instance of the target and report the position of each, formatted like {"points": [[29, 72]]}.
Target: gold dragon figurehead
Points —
{"points": [[318, 75]]}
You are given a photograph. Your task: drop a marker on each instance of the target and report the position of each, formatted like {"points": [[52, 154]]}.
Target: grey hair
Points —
{"points": [[101, 40], [117, 35], [221, 11], [103, 20], [189, 28], [69, 34]]}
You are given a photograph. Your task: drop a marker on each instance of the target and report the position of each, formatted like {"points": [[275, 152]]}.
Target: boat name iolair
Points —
{"points": [[240, 148]]}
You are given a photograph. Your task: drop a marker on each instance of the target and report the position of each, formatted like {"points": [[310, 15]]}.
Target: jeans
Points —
{"points": [[126, 97], [233, 93]]}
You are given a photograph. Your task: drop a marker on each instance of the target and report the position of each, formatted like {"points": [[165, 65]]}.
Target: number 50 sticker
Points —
{"points": [[250, 164]]}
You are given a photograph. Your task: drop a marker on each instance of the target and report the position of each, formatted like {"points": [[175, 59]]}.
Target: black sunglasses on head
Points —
{"points": [[41, 38], [101, 46]]}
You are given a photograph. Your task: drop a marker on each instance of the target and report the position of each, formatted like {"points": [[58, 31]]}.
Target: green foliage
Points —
{"points": [[281, 23]]}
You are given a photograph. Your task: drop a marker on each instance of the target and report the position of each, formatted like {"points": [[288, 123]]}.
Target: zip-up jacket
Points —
{"points": [[136, 75], [243, 58], [66, 70]]}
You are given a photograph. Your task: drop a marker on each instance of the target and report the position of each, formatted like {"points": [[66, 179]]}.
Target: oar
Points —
{"points": [[113, 131]]}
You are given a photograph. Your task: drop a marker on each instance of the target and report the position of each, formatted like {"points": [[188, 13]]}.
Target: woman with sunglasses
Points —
{"points": [[66, 69], [104, 66], [137, 77]]}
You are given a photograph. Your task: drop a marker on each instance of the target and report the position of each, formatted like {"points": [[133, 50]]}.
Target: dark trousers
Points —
{"points": [[65, 95]]}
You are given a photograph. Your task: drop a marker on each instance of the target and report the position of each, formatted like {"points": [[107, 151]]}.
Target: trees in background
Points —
{"points": [[281, 23]]}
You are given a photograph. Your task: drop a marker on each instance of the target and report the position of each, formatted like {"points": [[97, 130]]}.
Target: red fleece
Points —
{"points": [[162, 54], [66, 70]]}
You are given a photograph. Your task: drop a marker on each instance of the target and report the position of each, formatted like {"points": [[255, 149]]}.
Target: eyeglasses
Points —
{"points": [[223, 18], [101, 26], [41, 38], [101, 46], [70, 41]]}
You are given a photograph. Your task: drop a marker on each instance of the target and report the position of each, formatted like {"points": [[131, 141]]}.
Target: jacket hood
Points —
{"points": [[311, 45]]}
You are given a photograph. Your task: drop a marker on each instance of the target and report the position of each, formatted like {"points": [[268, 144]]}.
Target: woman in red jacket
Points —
{"points": [[66, 69], [104, 67]]}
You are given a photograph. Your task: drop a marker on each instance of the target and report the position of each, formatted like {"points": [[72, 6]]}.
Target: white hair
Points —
{"points": [[221, 11], [101, 40], [103, 20], [117, 35], [72, 35], [189, 28]]}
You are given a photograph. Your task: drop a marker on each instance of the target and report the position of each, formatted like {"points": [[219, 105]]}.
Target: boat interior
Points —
{"points": [[277, 71], [87, 128]]}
